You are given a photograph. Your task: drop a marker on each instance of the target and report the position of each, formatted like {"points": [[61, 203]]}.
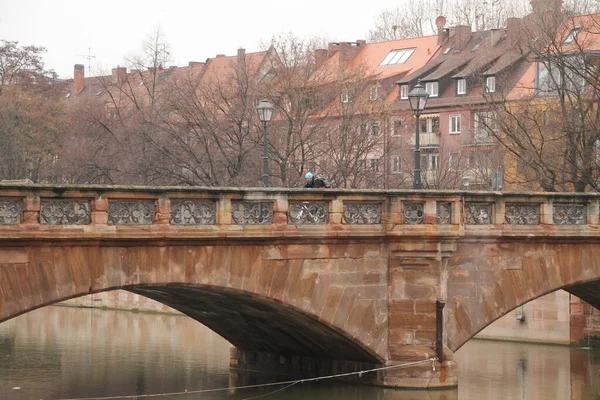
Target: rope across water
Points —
{"points": [[288, 383]]}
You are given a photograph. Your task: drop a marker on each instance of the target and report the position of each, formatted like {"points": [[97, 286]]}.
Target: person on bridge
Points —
{"points": [[312, 181]]}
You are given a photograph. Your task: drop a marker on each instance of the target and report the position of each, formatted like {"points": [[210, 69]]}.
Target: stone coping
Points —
{"points": [[102, 189]]}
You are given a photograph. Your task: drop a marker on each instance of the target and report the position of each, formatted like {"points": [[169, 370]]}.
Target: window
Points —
{"points": [[453, 160], [375, 128], [396, 128], [430, 124], [430, 162], [432, 89], [403, 92], [397, 56], [374, 164], [374, 93], [395, 167], [346, 96], [490, 84], [461, 86], [549, 79], [447, 50], [434, 162], [484, 123], [476, 46], [572, 35], [480, 159], [364, 128], [455, 124]]}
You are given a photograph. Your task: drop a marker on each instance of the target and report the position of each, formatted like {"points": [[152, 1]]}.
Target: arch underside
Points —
{"points": [[588, 292], [256, 324]]}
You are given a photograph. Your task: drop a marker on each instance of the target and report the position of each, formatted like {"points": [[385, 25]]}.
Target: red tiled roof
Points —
{"points": [[373, 54]]}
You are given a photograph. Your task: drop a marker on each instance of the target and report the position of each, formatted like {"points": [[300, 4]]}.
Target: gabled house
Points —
{"points": [[464, 79]]}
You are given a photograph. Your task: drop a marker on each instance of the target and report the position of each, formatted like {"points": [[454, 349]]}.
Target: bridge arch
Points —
{"points": [[488, 280], [248, 293]]}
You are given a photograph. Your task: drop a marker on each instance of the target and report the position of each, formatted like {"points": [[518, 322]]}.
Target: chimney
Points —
{"points": [[78, 78], [119, 75], [347, 50], [495, 36], [220, 56], [320, 57], [241, 59], [462, 34], [443, 35]]}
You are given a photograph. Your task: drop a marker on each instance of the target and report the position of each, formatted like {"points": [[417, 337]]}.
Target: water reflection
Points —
{"points": [[59, 352]]}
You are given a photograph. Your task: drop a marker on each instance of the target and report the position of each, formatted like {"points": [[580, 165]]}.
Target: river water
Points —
{"points": [[65, 353]]}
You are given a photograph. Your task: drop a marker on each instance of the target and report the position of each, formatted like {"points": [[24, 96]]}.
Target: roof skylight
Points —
{"points": [[447, 50], [572, 35], [397, 56]]}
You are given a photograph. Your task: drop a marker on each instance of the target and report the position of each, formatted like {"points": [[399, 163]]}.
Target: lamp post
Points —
{"points": [[418, 98], [265, 112]]}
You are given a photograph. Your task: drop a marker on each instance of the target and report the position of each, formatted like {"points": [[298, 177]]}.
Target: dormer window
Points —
{"points": [[490, 84], [346, 96], [397, 56], [432, 88], [572, 35], [461, 86], [403, 92]]}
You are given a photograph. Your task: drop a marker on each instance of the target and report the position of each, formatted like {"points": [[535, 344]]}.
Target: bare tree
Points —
{"points": [[32, 115], [552, 132]]}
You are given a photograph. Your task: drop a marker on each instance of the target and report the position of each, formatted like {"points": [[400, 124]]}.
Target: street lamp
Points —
{"points": [[265, 112], [418, 98]]}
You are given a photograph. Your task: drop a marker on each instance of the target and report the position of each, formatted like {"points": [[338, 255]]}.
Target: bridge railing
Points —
{"points": [[218, 211]]}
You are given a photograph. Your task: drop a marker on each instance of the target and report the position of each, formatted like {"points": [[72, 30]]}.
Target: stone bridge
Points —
{"points": [[305, 281]]}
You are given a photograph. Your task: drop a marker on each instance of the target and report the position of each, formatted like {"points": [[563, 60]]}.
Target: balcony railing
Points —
{"points": [[427, 139]]}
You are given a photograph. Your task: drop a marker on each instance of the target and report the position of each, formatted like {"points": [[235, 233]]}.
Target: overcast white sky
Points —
{"points": [[195, 30]]}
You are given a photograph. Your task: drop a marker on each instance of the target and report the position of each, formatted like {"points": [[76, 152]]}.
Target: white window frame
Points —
{"points": [[395, 164], [482, 131], [432, 88], [430, 162], [374, 164], [403, 92], [374, 93], [399, 56], [572, 35], [454, 124], [429, 125], [490, 84], [461, 86], [375, 126], [434, 161], [346, 97]]}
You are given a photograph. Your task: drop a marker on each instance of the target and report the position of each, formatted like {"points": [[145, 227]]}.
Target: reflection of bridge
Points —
{"points": [[304, 280]]}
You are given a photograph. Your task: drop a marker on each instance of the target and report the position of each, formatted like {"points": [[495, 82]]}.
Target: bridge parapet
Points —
{"points": [[89, 211]]}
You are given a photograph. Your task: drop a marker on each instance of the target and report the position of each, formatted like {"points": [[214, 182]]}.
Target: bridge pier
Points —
{"points": [[417, 281], [292, 367], [410, 373]]}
